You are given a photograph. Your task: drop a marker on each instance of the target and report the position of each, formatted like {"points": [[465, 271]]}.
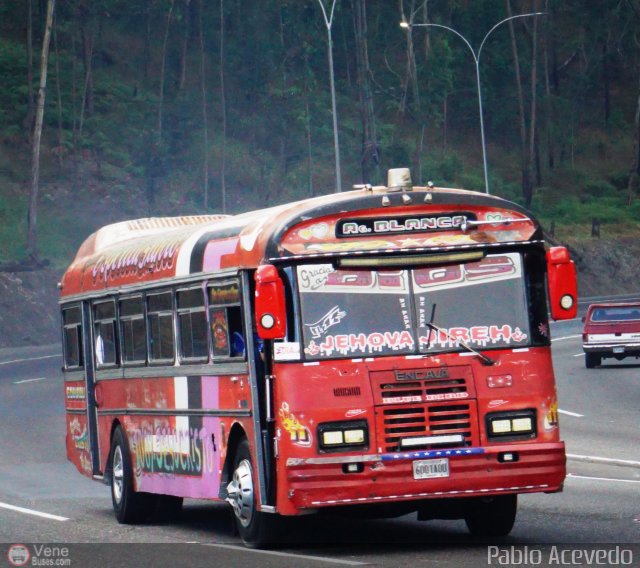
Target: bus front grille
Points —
{"points": [[396, 423]]}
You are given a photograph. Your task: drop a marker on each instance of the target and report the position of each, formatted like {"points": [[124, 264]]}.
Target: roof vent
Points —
{"points": [[399, 179]]}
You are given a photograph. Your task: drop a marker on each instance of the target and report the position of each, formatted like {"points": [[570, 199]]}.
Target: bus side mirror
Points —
{"points": [[562, 284], [271, 311]]}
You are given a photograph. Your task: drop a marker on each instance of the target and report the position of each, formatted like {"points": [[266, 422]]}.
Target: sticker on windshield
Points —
{"points": [[350, 343], [286, 351], [331, 318], [477, 335]]}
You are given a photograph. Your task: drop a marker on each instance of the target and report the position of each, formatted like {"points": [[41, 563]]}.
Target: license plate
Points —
{"points": [[426, 469], [618, 349]]}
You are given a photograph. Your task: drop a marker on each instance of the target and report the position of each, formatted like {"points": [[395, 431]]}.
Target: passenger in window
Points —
{"points": [[238, 347]]}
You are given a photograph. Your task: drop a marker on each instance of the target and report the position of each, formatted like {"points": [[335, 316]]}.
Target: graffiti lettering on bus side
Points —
{"points": [[479, 335], [361, 343], [135, 262], [170, 451]]}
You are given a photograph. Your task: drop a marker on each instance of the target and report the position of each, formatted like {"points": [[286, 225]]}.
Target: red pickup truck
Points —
{"points": [[611, 330]]}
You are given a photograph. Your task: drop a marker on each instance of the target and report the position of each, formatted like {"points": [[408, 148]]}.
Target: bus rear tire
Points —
{"points": [[491, 516], [130, 507], [592, 360], [257, 529]]}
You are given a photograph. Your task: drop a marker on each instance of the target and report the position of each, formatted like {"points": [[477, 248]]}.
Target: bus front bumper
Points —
{"points": [[383, 478]]}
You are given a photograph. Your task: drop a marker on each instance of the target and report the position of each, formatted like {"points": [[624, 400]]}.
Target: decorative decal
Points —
{"points": [[136, 262], [498, 402], [317, 231], [79, 435], [481, 335], [299, 433], [170, 451], [354, 412], [314, 277], [331, 318], [361, 343], [286, 351], [76, 393], [220, 333], [543, 329], [400, 225], [551, 418]]}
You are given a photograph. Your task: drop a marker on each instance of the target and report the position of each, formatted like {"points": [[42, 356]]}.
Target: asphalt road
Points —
{"points": [[600, 416]]}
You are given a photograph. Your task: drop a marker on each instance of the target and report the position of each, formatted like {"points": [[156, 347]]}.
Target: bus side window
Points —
{"points": [[192, 324], [160, 327], [225, 320], [104, 322], [72, 337], [133, 336]]}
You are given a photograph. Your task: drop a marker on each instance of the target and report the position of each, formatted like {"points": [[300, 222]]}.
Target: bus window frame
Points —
{"points": [[151, 361], [178, 327], [136, 362], [95, 322], [225, 307], [79, 337]]}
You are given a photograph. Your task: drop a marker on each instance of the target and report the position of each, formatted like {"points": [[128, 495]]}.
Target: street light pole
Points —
{"points": [[328, 20], [476, 60]]}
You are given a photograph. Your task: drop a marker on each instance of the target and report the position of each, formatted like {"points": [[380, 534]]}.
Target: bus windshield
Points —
{"points": [[364, 313]]}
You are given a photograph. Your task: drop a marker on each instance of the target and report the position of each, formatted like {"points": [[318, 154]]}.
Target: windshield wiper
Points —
{"points": [[486, 360]]}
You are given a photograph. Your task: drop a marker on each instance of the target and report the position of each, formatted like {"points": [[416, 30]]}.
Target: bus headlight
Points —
{"points": [[343, 436], [517, 424]]}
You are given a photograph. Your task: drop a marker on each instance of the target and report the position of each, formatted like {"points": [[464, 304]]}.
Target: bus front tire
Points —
{"points": [[491, 516], [257, 529], [130, 507]]}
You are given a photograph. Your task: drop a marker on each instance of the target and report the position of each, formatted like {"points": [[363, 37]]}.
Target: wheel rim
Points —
{"points": [[240, 491], [117, 483]]}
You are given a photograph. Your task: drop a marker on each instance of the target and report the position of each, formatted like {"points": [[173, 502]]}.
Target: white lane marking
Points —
{"points": [[598, 459], [574, 476], [286, 554], [30, 380], [32, 512], [30, 359], [579, 355], [565, 337], [574, 414]]}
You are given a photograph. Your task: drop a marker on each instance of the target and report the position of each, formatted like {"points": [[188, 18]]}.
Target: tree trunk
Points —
{"points": [[307, 124], [58, 99], [606, 83], [32, 239], [550, 114], [534, 103], [370, 157], [28, 119], [185, 46], [634, 177], [411, 74], [87, 32], [223, 111], [163, 66], [205, 127], [525, 164]]}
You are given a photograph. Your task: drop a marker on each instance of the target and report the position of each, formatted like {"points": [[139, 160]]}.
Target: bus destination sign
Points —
{"points": [[362, 226]]}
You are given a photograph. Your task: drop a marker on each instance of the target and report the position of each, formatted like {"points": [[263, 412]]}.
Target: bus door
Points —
{"points": [[79, 389]]}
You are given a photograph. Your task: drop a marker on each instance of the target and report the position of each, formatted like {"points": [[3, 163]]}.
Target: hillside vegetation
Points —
{"points": [[164, 107]]}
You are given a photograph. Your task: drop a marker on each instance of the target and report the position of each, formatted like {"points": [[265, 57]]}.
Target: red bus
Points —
{"points": [[385, 349]]}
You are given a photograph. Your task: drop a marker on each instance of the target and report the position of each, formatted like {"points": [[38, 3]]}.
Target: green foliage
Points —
{"points": [[277, 98]]}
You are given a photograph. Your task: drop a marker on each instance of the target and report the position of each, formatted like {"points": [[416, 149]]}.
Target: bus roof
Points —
{"points": [[372, 220]]}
